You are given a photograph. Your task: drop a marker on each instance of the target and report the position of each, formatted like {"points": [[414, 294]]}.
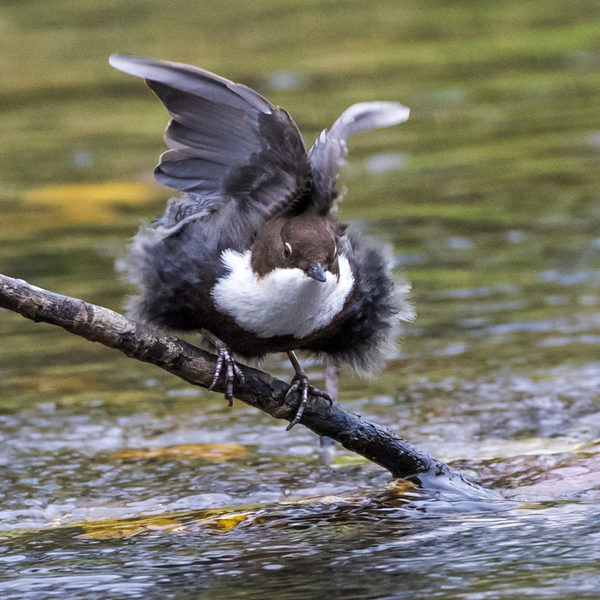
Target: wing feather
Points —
{"points": [[329, 151], [226, 142]]}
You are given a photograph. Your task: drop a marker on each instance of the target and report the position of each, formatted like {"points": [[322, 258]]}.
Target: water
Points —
{"points": [[120, 481]]}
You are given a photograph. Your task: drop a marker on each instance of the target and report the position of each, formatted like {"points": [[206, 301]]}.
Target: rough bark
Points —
{"points": [[260, 390]]}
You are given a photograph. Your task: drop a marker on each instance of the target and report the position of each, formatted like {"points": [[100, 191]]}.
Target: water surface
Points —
{"points": [[118, 480]]}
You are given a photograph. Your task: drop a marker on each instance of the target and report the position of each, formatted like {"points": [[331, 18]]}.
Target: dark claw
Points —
{"points": [[231, 372], [300, 382]]}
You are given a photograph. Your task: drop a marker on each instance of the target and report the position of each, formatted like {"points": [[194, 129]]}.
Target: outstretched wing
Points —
{"points": [[226, 141], [329, 151]]}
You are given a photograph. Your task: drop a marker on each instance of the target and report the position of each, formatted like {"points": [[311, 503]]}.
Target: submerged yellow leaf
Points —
{"points": [[225, 521], [125, 528], [587, 447], [222, 520], [91, 202], [122, 528], [400, 487], [210, 452]]}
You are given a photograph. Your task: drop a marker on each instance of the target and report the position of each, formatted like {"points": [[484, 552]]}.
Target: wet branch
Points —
{"points": [[260, 390]]}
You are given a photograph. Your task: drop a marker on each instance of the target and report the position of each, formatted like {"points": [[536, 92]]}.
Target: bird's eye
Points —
{"points": [[287, 250]]}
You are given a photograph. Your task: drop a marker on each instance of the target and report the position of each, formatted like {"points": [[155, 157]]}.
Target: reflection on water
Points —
{"points": [[120, 481]]}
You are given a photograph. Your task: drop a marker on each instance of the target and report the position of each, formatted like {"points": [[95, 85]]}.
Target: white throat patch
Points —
{"points": [[283, 302]]}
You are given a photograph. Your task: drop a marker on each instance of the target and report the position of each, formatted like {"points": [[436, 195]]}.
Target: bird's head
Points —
{"points": [[306, 242]]}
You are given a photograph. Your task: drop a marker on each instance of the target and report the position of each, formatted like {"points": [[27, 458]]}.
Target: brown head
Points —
{"points": [[305, 242]]}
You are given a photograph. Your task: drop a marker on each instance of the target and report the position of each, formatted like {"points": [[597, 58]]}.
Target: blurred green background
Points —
{"points": [[490, 196]]}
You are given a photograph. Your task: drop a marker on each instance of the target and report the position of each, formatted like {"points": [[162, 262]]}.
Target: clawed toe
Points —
{"points": [[321, 394], [300, 383], [226, 367]]}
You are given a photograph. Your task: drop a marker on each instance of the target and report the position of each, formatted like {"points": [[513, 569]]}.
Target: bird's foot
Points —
{"points": [[227, 368], [300, 384]]}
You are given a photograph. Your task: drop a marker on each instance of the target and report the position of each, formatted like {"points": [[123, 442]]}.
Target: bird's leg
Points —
{"points": [[300, 383], [227, 362]]}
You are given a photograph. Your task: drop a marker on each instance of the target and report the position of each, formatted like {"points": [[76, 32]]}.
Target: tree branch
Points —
{"points": [[260, 390]]}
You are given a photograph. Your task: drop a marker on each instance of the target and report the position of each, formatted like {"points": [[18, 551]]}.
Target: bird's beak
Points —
{"points": [[317, 273]]}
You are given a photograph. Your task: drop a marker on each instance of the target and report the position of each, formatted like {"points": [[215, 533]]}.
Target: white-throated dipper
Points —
{"points": [[250, 253]]}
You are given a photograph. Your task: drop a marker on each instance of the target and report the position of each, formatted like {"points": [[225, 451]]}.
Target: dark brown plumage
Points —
{"points": [[250, 253], [302, 242]]}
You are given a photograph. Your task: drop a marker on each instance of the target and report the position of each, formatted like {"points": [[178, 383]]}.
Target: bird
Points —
{"points": [[251, 253]]}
